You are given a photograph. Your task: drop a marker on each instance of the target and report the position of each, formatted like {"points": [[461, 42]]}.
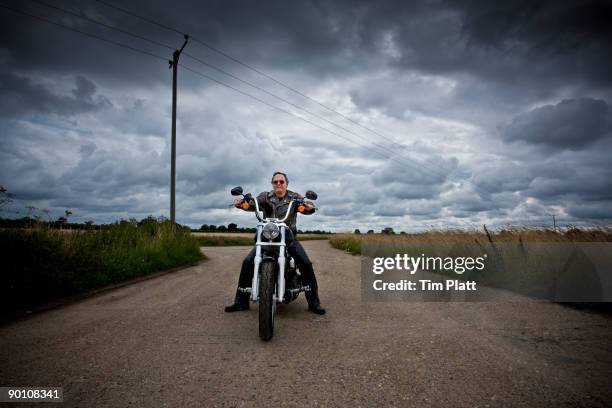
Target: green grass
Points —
{"points": [[43, 264]]}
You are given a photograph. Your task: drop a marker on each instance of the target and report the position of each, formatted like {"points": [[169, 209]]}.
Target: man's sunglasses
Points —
{"points": [[281, 182]]}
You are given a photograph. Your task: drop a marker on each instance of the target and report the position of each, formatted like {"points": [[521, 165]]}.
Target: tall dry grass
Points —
{"points": [[542, 263], [352, 242]]}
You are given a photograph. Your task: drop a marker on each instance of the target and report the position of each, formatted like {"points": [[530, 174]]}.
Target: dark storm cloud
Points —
{"points": [[21, 96], [493, 177], [574, 36], [572, 123], [597, 210], [574, 181], [562, 159], [489, 39]]}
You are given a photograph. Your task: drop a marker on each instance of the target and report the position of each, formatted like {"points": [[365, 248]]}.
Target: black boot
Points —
{"points": [[241, 302], [316, 308], [314, 304], [312, 297], [236, 307]]}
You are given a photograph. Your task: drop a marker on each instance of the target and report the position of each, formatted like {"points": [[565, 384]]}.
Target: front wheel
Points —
{"points": [[267, 303]]}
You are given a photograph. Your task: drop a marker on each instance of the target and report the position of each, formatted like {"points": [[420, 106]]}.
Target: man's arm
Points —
{"points": [[309, 207], [261, 200]]}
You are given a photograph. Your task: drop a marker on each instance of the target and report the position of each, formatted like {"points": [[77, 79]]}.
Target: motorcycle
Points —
{"points": [[276, 279]]}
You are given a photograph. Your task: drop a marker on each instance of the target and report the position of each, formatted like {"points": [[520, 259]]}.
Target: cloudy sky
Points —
{"points": [[417, 115]]}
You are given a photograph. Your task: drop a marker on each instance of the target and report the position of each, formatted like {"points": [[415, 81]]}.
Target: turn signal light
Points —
{"points": [[245, 206], [301, 208]]}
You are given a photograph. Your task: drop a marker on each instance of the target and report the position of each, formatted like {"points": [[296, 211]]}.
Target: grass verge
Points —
{"points": [[41, 265]]}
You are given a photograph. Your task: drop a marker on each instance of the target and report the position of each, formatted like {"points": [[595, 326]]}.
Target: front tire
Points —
{"points": [[267, 302]]}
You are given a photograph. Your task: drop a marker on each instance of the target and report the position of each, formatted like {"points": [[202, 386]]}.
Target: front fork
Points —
{"points": [[255, 283], [280, 291]]}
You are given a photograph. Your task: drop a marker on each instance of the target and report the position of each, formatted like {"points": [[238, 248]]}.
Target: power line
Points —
{"points": [[236, 78], [141, 17], [199, 61], [244, 64], [103, 24], [250, 67], [129, 47], [283, 110], [193, 71], [397, 160], [393, 154], [302, 109]]}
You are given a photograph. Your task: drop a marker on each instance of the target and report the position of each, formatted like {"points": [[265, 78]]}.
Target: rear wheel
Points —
{"points": [[267, 303]]}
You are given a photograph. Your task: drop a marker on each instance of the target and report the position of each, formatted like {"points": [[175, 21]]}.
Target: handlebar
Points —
{"points": [[286, 214], [288, 211], [257, 210]]}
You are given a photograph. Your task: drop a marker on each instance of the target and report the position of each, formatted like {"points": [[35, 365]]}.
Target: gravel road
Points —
{"points": [[167, 342]]}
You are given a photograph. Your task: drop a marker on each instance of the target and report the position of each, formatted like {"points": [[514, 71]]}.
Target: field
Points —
{"points": [[563, 266], [241, 238], [352, 242]]}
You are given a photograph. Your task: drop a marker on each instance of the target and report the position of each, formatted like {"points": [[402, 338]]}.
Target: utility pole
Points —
{"points": [[173, 65], [554, 222]]}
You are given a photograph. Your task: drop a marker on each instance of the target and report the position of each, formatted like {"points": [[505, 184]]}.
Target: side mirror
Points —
{"points": [[311, 195], [237, 191]]}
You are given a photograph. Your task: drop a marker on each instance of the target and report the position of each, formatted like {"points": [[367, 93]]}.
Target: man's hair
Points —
{"points": [[283, 174]]}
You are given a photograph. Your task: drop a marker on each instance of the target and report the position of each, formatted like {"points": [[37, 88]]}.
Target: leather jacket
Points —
{"points": [[275, 207]]}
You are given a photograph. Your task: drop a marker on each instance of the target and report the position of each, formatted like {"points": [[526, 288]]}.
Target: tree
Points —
{"points": [[387, 230], [370, 231], [231, 227], [222, 228], [357, 231]]}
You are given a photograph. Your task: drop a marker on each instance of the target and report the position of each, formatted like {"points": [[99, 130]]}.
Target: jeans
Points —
{"points": [[303, 263]]}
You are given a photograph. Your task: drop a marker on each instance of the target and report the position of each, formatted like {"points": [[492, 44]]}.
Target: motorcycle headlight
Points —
{"points": [[270, 231]]}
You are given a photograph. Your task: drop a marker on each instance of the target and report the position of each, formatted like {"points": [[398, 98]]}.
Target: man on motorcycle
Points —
{"points": [[275, 204]]}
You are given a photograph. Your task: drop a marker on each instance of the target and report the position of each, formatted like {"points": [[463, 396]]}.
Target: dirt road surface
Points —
{"points": [[167, 342]]}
